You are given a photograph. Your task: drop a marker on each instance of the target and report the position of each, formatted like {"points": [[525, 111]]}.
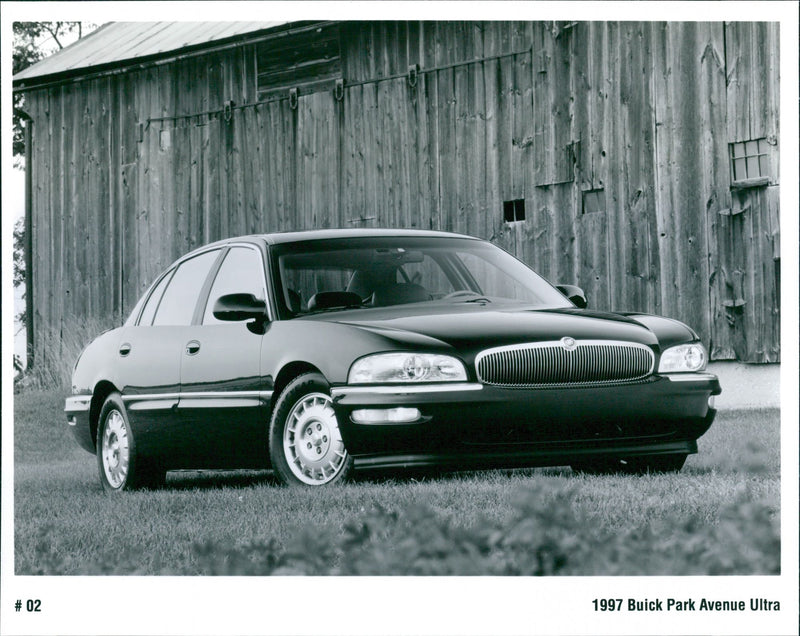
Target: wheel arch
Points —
{"points": [[289, 372], [102, 390]]}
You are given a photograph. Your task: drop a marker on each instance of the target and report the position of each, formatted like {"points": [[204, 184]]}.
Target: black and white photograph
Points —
{"points": [[400, 318]]}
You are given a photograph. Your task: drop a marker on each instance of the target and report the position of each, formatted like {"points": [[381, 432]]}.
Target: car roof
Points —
{"points": [[310, 235], [278, 238]]}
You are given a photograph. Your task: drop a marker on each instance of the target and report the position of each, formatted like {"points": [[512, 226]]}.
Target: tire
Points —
{"points": [[305, 444], [632, 465], [118, 463]]}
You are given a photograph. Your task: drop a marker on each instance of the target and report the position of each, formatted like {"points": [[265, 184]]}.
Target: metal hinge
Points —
{"points": [[730, 212], [413, 74]]}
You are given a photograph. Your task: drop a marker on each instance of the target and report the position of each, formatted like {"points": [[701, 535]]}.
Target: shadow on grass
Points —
{"points": [[208, 480]]}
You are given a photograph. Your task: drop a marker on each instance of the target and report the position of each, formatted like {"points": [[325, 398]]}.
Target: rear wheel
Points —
{"points": [[305, 444], [119, 465]]}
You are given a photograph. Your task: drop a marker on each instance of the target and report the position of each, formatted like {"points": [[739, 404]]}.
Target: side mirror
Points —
{"points": [[575, 294], [237, 307]]}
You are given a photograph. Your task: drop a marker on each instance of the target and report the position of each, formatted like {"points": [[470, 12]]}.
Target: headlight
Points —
{"points": [[406, 367], [686, 358]]}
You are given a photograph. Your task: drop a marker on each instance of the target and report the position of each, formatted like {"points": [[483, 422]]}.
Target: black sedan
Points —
{"points": [[314, 352]]}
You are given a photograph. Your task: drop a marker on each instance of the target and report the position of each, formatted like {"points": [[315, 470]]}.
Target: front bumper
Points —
{"points": [[77, 408], [472, 422]]}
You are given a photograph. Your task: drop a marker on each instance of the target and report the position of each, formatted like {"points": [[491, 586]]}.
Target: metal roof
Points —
{"points": [[122, 43]]}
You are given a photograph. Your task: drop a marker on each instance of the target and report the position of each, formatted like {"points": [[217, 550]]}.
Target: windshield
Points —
{"points": [[336, 274]]}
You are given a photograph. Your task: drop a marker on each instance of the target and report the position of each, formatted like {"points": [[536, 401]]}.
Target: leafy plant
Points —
{"points": [[547, 535], [34, 41]]}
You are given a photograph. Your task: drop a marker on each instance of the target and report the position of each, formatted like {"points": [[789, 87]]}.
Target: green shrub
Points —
{"points": [[721, 515], [546, 535]]}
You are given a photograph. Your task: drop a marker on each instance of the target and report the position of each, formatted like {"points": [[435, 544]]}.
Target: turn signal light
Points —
{"points": [[386, 416]]}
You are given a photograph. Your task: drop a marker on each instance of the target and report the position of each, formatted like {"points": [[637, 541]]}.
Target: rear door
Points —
{"points": [[150, 354]]}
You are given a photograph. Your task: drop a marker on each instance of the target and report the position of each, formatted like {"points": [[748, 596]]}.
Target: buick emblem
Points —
{"points": [[569, 343]]}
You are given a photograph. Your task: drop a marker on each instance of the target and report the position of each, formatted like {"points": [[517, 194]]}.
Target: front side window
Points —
{"points": [[180, 298], [242, 272]]}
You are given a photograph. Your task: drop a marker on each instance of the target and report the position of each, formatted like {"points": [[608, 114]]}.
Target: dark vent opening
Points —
{"points": [[514, 210]]}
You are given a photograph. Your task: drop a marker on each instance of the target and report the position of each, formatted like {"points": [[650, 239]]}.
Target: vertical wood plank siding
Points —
{"points": [[637, 115]]}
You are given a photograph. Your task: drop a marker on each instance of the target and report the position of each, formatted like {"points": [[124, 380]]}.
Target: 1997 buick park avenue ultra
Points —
{"points": [[316, 352]]}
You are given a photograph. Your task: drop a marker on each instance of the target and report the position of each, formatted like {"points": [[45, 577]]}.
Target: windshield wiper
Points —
{"points": [[325, 310], [466, 296]]}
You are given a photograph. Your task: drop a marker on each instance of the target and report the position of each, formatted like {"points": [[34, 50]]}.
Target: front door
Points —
{"points": [[221, 398]]}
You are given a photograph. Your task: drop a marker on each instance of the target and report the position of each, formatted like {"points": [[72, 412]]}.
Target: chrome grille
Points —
{"points": [[552, 364]]}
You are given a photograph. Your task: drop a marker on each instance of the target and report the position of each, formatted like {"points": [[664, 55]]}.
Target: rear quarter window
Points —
{"points": [[180, 298]]}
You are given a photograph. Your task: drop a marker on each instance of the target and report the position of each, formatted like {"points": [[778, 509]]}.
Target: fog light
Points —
{"points": [[711, 401], [383, 416]]}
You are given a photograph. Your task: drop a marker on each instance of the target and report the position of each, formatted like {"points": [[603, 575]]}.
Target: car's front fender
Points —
{"points": [[333, 347], [669, 332]]}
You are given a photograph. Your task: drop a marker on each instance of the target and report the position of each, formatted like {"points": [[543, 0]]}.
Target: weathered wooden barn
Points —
{"points": [[638, 160]]}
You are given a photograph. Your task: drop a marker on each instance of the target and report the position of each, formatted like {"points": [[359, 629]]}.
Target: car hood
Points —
{"points": [[470, 326]]}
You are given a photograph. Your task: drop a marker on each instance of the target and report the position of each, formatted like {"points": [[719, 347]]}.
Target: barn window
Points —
{"points": [[514, 210], [749, 162], [594, 201], [308, 61]]}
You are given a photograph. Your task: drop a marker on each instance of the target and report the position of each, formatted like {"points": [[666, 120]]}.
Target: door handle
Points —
{"points": [[124, 349], [192, 347]]}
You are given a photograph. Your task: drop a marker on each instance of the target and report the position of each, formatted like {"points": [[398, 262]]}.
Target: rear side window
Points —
{"points": [[180, 298], [152, 302], [242, 272]]}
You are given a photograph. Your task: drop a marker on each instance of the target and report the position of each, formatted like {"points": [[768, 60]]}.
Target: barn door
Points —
{"points": [[745, 232]]}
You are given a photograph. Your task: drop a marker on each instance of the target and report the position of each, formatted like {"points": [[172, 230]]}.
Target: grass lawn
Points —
{"points": [[720, 515]]}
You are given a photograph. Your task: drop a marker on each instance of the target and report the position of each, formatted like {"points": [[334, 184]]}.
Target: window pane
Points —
{"points": [[242, 272], [752, 147], [180, 299], [739, 171], [763, 162], [152, 302], [752, 167]]}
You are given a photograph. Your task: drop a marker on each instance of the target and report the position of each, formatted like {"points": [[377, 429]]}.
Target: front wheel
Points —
{"points": [[305, 444], [118, 463]]}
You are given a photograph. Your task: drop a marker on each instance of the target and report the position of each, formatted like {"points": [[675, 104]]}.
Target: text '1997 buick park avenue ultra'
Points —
{"points": [[314, 352]]}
